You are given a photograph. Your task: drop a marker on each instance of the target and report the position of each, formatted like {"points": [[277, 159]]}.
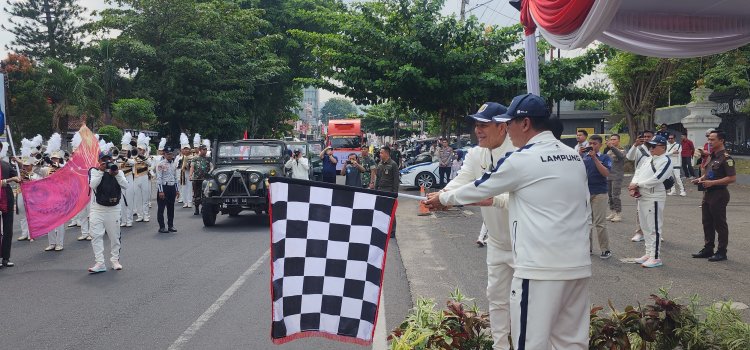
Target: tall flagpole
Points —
{"points": [[6, 85], [12, 147]]}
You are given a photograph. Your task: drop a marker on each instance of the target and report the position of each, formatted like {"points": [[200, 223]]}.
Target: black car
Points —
{"points": [[240, 179]]}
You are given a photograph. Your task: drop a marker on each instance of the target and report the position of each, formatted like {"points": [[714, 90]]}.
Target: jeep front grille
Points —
{"points": [[236, 186]]}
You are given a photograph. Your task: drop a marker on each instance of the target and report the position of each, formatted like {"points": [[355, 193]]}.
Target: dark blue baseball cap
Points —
{"points": [[168, 149], [658, 140], [528, 105], [488, 111]]}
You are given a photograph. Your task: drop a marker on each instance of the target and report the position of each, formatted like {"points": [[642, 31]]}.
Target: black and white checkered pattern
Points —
{"points": [[329, 244]]}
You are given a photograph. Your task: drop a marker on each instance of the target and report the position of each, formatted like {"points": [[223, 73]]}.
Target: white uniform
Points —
{"points": [[547, 205], [23, 221], [499, 256], [128, 195], [674, 151], [638, 155], [105, 219], [653, 197], [141, 189], [186, 189], [300, 168]]}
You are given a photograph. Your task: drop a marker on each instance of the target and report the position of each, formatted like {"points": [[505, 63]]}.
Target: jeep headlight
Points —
{"points": [[222, 178], [273, 172], [254, 178]]}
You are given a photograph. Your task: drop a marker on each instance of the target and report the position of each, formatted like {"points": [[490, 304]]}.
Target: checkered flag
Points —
{"points": [[328, 249]]}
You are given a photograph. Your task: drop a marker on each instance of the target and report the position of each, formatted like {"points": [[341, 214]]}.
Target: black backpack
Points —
{"points": [[108, 193], [669, 182]]}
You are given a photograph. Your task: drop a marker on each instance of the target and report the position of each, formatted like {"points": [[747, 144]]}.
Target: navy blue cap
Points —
{"points": [[528, 105], [658, 140], [488, 111], [168, 149]]}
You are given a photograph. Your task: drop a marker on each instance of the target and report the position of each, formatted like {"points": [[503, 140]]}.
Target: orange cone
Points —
{"points": [[422, 208]]}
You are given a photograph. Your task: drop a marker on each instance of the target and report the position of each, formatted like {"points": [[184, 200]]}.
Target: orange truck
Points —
{"points": [[344, 137]]}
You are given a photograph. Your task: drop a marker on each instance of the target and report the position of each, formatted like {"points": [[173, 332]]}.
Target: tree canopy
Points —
{"points": [[337, 108]]}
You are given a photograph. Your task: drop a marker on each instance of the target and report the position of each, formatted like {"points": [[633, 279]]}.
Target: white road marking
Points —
{"points": [[196, 326], [380, 338]]}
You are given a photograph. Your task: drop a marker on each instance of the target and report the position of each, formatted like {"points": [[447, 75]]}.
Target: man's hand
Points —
{"points": [[633, 187], [592, 154], [161, 195], [433, 202]]}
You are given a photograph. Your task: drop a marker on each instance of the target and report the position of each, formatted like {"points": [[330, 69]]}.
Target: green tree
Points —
{"points": [[135, 112], [110, 133], [45, 29], [27, 112], [406, 51], [72, 91], [337, 108]]}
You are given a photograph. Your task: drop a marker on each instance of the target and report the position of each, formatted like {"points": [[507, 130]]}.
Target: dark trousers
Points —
{"points": [[197, 193], [687, 167], [7, 225], [329, 177], [444, 171], [170, 193], [714, 209]]}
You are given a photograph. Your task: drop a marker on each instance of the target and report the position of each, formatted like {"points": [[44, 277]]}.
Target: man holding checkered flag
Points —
{"points": [[329, 244]]}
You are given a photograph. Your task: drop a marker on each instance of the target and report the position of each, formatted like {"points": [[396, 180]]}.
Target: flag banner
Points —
{"points": [[52, 201], [328, 250]]}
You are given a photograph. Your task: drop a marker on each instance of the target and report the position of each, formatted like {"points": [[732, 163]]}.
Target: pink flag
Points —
{"points": [[52, 201]]}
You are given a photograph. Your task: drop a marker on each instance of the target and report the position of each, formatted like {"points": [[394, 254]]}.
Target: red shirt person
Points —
{"points": [[688, 149]]}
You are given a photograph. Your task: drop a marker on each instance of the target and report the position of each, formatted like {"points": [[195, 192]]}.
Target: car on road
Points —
{"points": [[421, 174], [239, 180]]}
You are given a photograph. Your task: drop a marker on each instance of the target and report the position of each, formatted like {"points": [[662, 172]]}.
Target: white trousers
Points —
{"points": [[499, 278], [482, 234], [105, 219], [186, 193], [142, 194], [57, 236], [22, 216], [678, 185], [651, 215], [548, 315], [126, 211]]}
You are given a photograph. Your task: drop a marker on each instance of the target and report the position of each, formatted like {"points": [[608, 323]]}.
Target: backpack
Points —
{"points": [[108, 193], [669, 182]]}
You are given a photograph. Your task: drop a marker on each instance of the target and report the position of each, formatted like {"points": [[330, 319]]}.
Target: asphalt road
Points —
{"points": [[199, 288]]}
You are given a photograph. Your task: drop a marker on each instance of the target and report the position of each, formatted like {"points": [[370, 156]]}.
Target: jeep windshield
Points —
{"points": [[248, 151], [345, 142]]}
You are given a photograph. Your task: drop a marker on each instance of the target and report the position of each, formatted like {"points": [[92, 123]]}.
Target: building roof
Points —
{"points": [[588, 115]]}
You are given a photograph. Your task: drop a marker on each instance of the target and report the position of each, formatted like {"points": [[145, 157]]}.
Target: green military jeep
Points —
{"points": [[239, 180]]}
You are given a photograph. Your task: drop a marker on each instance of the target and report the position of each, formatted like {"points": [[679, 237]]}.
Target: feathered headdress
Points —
{"points": [[207, 143], [126, 139], [26, 147], [76, 141], [197, 140], [162, 143], [54, 143], [102, 145], [37, 141], [184, 141], [142, 141]]}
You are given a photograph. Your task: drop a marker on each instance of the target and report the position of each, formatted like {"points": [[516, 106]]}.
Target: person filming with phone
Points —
{"points": [[329, 165], [353, 171], [299, 166]]}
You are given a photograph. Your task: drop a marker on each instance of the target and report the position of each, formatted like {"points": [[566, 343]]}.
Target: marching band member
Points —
{"points": [[56, 237], [142, 188], [82, 219], [183, 167], [125, 163], [28, 173]]}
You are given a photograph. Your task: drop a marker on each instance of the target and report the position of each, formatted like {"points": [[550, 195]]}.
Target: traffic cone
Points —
{"points": [[422, 208]]}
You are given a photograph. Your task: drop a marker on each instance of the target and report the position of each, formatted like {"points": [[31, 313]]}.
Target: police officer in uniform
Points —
{"points": [[720, 172], [167, 189]]}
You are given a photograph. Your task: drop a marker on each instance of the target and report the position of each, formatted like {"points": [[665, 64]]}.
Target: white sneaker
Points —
{"points": [[610, 216], [72, 224], [637, 238], [58, 248], [139, 220], [130, 224], [671, 193], [146, 219], [683, 194], [652, 263], [82, 237], [642, 259], [49, 248], [122, 224], [616, 218], [116, 265], [98, 267]]}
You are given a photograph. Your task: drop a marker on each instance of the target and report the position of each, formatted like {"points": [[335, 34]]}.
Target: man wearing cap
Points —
{"points": [[720, 172], [647, 186], [445, 157], [493, 145], [104, 214], [638, 152], [167, 190], [200, 167], [548, 207]]}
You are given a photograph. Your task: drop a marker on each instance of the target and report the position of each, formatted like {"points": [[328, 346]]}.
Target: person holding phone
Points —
{"points": [[352, 171], [329, 165]]}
